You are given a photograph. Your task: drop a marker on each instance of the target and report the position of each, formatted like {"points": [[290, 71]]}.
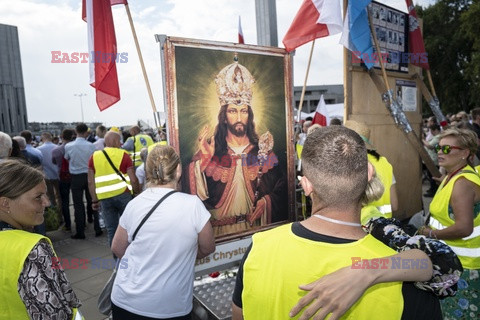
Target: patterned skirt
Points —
{"points": [[466, 304]]}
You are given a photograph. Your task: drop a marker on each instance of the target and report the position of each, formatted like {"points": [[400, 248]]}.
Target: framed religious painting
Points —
{"points": [[229, 117]]}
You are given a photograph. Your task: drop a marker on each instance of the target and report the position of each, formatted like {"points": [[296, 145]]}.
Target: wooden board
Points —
{"points": [[363, 103]]}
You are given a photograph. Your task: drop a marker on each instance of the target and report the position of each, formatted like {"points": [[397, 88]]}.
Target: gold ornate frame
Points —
{"points": [[188, 59]]}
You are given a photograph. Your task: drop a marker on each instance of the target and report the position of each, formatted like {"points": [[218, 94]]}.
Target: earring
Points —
{"points": [[463, 158]]}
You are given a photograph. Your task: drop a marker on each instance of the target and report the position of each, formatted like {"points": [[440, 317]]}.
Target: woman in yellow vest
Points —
{"points": [[32, 285], [388, 202], [455, 217]]}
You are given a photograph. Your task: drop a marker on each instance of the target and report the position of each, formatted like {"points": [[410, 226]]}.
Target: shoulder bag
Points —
{"points": [[104, 302]]}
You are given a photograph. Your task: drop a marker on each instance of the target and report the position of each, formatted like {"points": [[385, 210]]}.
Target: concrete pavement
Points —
{"points": [[87, 282]]}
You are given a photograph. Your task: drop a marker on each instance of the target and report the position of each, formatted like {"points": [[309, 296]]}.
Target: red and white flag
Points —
{"points": [[102, 46], [415, 39], [321, 114], [114, 2], [315, 19], [240, 32]]}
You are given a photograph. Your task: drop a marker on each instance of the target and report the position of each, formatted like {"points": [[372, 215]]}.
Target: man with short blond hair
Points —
{"points": [[336, 175]]}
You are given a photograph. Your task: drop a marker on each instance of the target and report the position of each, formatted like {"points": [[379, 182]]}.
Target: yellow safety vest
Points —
{"points": [[467, 248], [299, 145], [369, 212], [280, 261], [140, 141], [15, 246], [299, 148], [108, 183], [160, 143], [384, 172]]}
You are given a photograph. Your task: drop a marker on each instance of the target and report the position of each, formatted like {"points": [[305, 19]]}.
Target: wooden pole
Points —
{"points": [[411, 136], [432, 100], [430, 81], [423, 88], [377, 47], [139, 52], [299, 112], [347, 75]]}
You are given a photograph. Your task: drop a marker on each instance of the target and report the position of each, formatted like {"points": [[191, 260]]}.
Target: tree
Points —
{"points": [[471, 27], [449, 49]]}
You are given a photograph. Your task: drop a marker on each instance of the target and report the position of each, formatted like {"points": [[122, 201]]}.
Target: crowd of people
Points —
{"points": [[351, 228]]}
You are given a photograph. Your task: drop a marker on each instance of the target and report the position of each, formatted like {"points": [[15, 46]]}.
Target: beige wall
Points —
{"points": [[363, 103]]}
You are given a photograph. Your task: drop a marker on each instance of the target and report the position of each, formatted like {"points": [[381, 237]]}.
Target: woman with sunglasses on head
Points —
{"points": [[455, 217]]}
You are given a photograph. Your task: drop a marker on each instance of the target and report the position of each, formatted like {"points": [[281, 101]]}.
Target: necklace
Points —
{"points": [[450, 176], [351, 224]]}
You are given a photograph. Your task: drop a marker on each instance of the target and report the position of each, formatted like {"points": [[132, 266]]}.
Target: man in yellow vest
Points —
{"points": [[111, 181], [336, 172], [135, 143]]}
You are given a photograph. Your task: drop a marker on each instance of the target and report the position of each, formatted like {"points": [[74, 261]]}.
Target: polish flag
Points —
{"points": [[321, 115], [102, 46], [314, 19], [415, 38], [240, 32]]}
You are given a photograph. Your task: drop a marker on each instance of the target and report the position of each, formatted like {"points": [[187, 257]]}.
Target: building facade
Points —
{"points": [[13, 108], [332, 94]]}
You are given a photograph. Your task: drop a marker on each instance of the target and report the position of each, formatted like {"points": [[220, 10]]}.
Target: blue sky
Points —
{"points": [[56, 25]]}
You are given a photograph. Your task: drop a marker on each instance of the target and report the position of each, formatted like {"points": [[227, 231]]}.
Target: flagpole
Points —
{"points": [[139, 52], [396, 111], [299, 112], [430, 81], [377, 47]]}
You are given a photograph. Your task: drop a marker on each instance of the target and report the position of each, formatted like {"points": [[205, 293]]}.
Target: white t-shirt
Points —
{"points": [[158, 267], [140, 173]]}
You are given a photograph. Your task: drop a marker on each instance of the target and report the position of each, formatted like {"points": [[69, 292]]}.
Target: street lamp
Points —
{"points": [[80, 95]]}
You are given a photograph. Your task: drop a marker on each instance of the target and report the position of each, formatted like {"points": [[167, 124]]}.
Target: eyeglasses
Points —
{"points": [[446, 149]]}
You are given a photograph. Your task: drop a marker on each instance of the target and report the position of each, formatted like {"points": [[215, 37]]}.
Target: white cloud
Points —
{"points": [[48, 25]]}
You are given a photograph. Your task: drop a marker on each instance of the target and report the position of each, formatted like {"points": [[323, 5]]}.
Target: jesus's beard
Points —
{"points": [[237, 129]]}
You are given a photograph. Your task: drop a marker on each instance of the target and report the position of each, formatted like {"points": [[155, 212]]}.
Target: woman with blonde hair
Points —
{"points": [[455, 216], [387, 203], [32, 284], [156, 281]]}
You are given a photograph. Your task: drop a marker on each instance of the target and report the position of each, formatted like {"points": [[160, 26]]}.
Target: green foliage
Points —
{"points": [[471, 27], [52, 219], [451, 35]]}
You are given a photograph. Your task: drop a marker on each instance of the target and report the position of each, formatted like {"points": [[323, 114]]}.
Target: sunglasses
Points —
{"points": [[446, 149]]}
